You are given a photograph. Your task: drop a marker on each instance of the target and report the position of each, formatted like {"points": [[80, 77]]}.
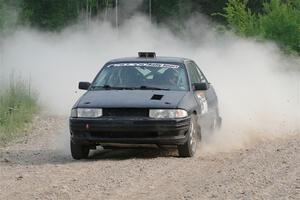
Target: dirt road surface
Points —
{"points": [[39, 166]]}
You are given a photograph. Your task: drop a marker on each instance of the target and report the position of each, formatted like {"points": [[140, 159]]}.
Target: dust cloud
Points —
{"points": [[258, 86]]}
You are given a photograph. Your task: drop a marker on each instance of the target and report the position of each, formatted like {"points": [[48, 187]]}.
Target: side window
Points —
{"points": [[202, 77], [194, 74]]}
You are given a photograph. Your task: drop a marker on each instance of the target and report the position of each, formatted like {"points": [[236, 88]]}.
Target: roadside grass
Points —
{"points": [[18, 105]]}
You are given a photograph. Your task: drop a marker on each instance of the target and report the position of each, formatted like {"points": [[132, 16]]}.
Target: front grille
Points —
{"points": [[125, 112], [124, 134]]}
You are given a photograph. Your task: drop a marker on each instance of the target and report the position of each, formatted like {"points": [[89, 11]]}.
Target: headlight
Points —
{"points": [[86, 112], [167, 113]]}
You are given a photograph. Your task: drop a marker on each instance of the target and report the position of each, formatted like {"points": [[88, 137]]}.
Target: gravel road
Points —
{"points": [[39, 166]]}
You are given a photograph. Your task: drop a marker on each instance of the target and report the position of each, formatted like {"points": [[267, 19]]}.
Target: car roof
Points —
{"points": [[155, 59]]}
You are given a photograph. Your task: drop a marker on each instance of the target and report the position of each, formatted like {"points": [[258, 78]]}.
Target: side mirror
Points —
{"points": [[200, 86], [84, 85]]}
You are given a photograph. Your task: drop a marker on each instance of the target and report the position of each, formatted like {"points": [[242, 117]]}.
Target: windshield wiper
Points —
{"points": [[144, 87], [108, 87]]}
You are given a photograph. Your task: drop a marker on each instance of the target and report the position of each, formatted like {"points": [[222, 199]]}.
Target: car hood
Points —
{"points": [[131, 98]]}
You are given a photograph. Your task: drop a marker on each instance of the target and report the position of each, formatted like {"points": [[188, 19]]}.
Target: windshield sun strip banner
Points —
{"points": [[159, 65]]}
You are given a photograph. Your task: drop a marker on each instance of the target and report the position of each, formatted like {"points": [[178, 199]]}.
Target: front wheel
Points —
{"points": [[79, 151], [188, 149]]}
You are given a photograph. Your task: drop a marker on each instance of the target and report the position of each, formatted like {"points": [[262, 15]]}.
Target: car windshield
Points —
{"points": [[143, 76]]}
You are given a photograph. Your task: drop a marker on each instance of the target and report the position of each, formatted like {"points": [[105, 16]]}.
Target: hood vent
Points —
{"points": [[157, 97]]}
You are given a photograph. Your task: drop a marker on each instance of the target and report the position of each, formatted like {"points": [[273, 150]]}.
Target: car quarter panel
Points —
{"points": [[189, 103]]}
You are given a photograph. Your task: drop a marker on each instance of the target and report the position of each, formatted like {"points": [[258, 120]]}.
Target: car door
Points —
{"points": [[206, 99], [211, 96]]}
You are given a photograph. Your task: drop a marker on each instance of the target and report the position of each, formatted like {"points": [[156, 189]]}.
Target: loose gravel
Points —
{"points": [[39, 166]]}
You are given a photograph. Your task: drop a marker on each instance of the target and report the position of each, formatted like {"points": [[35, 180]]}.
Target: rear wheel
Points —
{"points": [[188, 149], [215, 124], [219, 122], [79, 151]]}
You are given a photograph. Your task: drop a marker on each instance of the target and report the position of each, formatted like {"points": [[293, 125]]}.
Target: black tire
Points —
{"points": [[188, 149], [79, 151], [219, 122], [216, 124]]}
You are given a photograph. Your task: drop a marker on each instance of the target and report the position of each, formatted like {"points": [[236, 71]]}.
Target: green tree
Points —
{"points": [[49, 14], [241, 18], [279, 21], [8, 14]]}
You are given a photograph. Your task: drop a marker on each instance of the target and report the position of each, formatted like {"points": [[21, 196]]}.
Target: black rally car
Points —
{"points": [[144, 100]]}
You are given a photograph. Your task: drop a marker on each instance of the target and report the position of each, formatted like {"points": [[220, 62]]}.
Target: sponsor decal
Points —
{"points": [[161, 65]]}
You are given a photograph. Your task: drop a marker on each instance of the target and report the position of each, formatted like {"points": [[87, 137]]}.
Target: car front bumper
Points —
{"points": [[129, 130]]}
